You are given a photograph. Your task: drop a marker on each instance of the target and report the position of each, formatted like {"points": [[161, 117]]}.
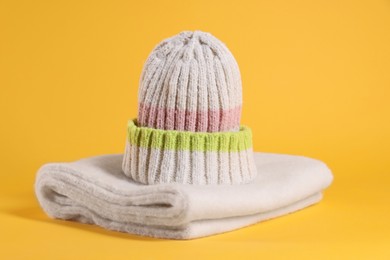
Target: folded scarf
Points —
{"points": [[95, 191]]}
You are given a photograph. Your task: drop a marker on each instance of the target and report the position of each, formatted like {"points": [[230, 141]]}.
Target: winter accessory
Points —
{"points": [[94, 190], [188, 127], [190, 82], [188, 145]]}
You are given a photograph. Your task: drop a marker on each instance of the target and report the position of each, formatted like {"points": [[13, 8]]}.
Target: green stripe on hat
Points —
{"points": [[189, 141]]}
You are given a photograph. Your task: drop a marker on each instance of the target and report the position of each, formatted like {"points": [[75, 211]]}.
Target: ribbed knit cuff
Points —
{"points": [[167, 156]]}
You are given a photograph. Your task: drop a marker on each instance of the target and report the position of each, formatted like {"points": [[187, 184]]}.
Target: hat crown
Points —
{"points": [[190, 82]]}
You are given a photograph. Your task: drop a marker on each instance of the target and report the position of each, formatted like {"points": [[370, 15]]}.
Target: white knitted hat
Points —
{"points": [[188, 127], [190, 82]]}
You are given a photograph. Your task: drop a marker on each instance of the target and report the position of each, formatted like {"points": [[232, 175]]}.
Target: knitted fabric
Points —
{"points": [[162, 156], [190, 82], [189, 109]]}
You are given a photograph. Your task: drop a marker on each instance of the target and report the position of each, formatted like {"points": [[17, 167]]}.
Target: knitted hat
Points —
{"points": [[188, 128]]}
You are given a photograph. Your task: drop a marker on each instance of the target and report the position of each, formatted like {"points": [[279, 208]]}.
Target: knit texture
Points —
{"points": [[189, 109], [191, 82], [168, 156], [94, 190]]}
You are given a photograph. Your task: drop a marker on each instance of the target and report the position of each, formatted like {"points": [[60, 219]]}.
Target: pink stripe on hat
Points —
{"points": [[183, 120]]}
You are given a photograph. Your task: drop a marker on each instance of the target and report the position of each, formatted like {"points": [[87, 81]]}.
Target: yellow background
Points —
{"points": [[316, 82]]}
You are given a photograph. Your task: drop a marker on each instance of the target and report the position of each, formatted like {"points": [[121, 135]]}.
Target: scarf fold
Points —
{"points": [[94, 190]]}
